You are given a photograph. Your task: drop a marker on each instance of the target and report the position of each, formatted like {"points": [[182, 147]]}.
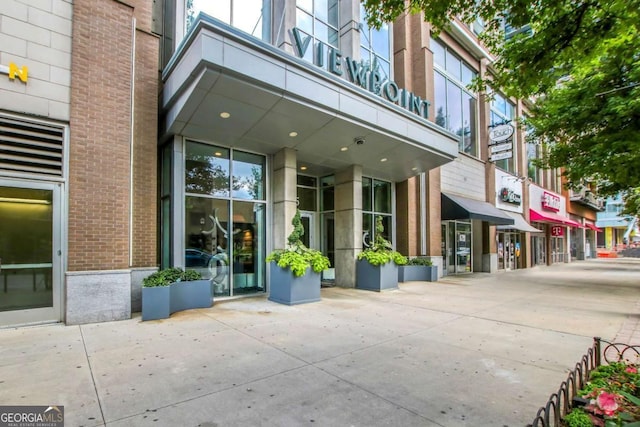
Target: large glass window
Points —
{"points": [[454, 104], [503, 111], [225, 217], [376, 201], [250, 16], [375, 45], [318, 19]]}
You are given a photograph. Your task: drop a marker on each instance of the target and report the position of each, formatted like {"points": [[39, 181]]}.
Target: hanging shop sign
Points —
{"points": [[501, 155], [557, 231], [550, 202], [14, 71], [507, 195], [500, 147], [361, 73], [500, 133]]}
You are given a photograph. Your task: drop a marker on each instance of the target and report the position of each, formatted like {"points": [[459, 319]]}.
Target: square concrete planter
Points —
{"points": [[285, 288], [376, 278], [161, 301], [421, 273]]}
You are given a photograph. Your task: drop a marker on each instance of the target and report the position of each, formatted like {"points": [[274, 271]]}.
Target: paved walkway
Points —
{"points": [[478, 350]]}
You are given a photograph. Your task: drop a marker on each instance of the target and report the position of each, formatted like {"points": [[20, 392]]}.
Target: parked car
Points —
{"points": [[195, 258]]}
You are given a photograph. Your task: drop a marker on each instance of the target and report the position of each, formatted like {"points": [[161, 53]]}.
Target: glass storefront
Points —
{"points": [[376, 201], [225, 208], [457, 242], [510, 251]]}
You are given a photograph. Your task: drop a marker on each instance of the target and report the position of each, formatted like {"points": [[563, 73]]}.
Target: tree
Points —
{"points": [[579, 64]]}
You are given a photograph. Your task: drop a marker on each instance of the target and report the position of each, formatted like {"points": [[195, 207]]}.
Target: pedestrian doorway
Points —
{"points": [[30, 252], [509, 251], [457, 239]]}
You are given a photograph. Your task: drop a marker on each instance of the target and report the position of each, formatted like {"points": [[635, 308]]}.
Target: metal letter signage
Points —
{"points": [[550, 202], [500, 133], [367, 76], [557, 231], [13, 71]]}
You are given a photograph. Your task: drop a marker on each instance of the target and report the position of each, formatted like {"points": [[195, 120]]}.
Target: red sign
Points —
{"points": [[557, 231], [550, 202]]}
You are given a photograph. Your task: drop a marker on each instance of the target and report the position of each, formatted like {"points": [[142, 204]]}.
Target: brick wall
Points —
{"points": [[99, 152], [145, 218]]}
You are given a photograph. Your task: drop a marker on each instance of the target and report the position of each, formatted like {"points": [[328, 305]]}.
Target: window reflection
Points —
{"points": [[206, 169], [248, 173], [249, 16]]}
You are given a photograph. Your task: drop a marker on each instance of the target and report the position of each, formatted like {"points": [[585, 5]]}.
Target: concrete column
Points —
{"points": [[284, 196], [284, 13], [349, 31], [348, 224]]}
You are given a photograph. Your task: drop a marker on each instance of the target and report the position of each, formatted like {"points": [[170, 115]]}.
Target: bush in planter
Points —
{"points": [[295, 271], [420, 261], [381, 252], [297, 256], [377, 266], [173, 289], [168, 276]]}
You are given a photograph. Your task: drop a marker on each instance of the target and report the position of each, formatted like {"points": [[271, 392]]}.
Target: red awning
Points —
{"points": [[553, 218], [592, 227]]}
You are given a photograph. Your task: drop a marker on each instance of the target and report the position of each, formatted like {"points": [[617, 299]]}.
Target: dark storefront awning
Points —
{"points": [[520, 224], [458, 207]]}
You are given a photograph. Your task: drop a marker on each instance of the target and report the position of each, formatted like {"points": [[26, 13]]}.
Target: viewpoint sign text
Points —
{"points": [[367, 76], [14, 71]]}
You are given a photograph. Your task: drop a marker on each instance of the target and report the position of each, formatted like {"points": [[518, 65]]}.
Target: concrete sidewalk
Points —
{"points": [[478, 350]]}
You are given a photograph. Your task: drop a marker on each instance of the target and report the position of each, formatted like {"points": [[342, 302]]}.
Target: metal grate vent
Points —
{"points": [[30, 147]]}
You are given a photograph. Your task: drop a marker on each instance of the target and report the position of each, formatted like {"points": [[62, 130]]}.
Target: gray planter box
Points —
{"points": [[376, 278], [160, 302], [421, 273], [285, 288]]}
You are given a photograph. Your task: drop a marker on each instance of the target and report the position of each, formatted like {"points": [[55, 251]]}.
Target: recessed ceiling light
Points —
{"points": [[303, 168], [384, 159], [225, 115], [414, 168], [344, 148], [293, 134], [217, 153]]}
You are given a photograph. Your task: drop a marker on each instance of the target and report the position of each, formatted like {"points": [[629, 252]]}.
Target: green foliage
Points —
{"points": [[578, 418], [381, 252], [297, 256], [419, 261], [576, 63], [168, 276]]}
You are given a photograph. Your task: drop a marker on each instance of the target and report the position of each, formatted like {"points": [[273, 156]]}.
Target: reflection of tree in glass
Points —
{"points": [[251, 184], [205, 177], [191, 14], [440, 119]]}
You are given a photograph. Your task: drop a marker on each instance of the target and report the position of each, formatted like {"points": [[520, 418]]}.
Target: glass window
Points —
{"points": [[503, 111], [319, 19], [327, 193], [248, 176], [223, 236], [455, 105], [375, 45], [250, 16], [376, 201], [206, 169]]}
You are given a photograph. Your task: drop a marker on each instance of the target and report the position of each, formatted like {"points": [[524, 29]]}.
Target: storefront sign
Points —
{"points": [[500, 147], [550, 202], [509, 196], [500, 133], [13, 71], [367, 76], [557, 231], [500, 156]]}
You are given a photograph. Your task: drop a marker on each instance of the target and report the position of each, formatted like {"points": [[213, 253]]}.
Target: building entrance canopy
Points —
{"points": [[274, 100], [553, 218], [458, 207]]}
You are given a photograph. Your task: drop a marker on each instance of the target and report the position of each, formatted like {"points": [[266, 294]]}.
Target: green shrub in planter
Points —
{"points": [[381, 252], [420, 261], [295, 271], [168, 276], [297, 256]]}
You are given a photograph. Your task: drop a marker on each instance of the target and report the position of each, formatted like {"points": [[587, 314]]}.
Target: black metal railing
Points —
{"points": [[559, 404]]}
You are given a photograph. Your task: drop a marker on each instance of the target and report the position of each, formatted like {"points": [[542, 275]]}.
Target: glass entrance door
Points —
{"points": [[30, 254], [308, 222]]}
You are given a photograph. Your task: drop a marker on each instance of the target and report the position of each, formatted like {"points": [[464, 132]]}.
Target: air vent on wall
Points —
{"points": [[30, 147]]}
